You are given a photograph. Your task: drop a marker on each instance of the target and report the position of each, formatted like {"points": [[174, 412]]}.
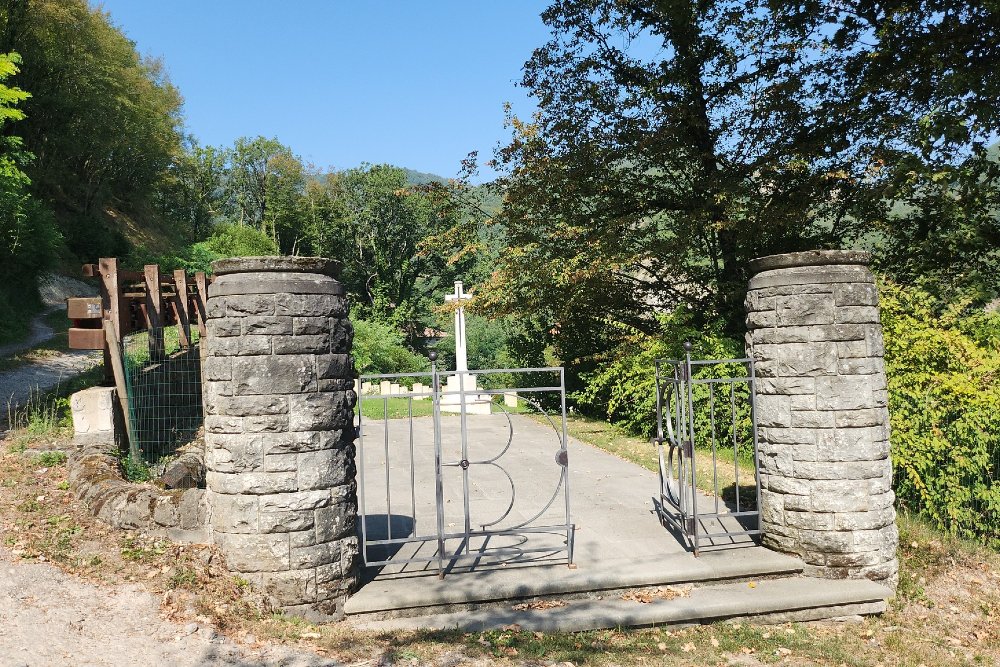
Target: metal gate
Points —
{"points": [[705, 411], [448, 471]]}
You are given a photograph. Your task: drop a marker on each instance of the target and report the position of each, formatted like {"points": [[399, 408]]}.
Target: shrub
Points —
{"points": [[944, 404], [379, 348]]}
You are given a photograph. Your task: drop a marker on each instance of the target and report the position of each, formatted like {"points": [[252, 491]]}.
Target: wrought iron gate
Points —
{"points": [[691, 429], [459, 501]]}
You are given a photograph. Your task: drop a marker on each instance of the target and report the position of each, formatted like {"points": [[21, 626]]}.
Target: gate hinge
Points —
{"points": [[464, 463], [562, 458]]}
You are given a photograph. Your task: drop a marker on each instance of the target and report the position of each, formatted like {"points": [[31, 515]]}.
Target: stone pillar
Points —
{"points": [[823, 424], [279, 431]]}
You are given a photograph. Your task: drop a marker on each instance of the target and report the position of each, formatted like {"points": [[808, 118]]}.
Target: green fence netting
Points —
{"points": [[163, 382]]}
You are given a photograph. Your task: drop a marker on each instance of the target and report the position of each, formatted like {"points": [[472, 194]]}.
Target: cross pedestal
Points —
{"points": [[464, 382]]}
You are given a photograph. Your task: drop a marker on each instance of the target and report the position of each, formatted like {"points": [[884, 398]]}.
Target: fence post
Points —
{"points": [[180, 305], [823, 421], [116, 325], [279, 430], [154, 311]]}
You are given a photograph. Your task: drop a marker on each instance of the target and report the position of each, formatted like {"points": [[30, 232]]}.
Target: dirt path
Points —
{"points": [[19, 383], [48, 617]]}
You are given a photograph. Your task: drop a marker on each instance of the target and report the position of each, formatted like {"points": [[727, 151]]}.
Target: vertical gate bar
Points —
{"points": [[361, 478], [659, 437], [438, 478], [465, 459], [680, 430], [715, 460], [694, 474], [753, 427], [736, 446], [413, 465], [388, 497], [571, 532]]}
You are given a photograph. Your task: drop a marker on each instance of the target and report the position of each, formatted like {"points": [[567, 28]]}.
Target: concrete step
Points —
{"points": [[406, 594], [765, 601]]}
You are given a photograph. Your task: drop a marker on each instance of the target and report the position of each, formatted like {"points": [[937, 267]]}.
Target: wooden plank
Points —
{"points": [[86, 339], [154, 311], [200, 301], [84, 308], [181, 306], [119, 375]]}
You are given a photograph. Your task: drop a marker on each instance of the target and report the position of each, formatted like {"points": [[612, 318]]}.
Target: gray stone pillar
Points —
{"points": [[279, 435], [826, 475]]}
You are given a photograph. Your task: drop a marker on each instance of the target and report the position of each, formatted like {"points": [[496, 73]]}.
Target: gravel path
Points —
{"points": [[48, 617]]}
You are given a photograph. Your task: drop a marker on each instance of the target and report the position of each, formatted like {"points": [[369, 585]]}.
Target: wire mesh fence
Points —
{"points": [[163, 382]]}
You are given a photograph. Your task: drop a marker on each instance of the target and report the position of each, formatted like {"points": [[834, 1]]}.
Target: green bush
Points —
{"points": [[379, 348], [944, 405], [227, 240], [623, 389]]}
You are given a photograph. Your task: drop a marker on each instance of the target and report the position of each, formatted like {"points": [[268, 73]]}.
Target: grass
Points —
{"points": [[46, 415], [398, 408]]}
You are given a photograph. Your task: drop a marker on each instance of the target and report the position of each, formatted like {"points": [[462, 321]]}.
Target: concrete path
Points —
{"points": [[619, 541]]}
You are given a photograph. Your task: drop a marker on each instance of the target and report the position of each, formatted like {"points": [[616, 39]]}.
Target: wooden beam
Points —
{"points": [[154, 311], [200, 301], [181, 308], [120, 387]]}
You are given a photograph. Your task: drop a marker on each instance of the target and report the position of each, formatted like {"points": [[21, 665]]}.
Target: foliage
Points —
{"points": [[28, 236], [676, 141], [944, 403], [379, 348], [102, 121], [623, 388], [227, 240]]}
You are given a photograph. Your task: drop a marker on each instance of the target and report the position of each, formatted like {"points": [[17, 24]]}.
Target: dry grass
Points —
{"points": [[946, 614]]}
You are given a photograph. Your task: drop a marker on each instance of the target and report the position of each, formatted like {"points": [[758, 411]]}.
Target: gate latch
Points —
{"points": [[464, 463]]}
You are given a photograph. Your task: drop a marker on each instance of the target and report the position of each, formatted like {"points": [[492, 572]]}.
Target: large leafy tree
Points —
{"points": [[677, 140], [265, 182], [102, 122]]}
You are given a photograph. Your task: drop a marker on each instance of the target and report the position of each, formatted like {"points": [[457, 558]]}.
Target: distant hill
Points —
{"points": [[414, 177]]}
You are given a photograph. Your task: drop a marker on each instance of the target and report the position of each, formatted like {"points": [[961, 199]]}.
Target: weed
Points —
{"points": [[51, 459], [18, 446], [136, 470], [63, 485], [134, 549], [184, 577]]}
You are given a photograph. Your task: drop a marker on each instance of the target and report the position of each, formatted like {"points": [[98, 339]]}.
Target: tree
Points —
{"points": [[102, 122], [194, 192], [27, 235], [265, 181], [669, 149]]}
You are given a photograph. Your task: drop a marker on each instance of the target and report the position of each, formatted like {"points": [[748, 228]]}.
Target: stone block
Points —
{"points": [[286, 522], [281, 462], [93, 411], [233, 453], [165, 512], [222, 327], [336, 521], [855, 294], [256, 483], [313, 556], [251, 346], [774, 411], [247, 406], [861, 417], [286, 443], [284, 374], [318, 412], [341, 336], [805, 309], [310, 305], [234, 513], [857, 315], [266, 424], [299, 500], [761, 319], [250, 304], [844, 392], [812, 419], [255, 552], [310, 326], [334, 366], [291, 588], [323, 469], [304, 344], [266, 325], [222, 424], [808, 359], [217, 368]]}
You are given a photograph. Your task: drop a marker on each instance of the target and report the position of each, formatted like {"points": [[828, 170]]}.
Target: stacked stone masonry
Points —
{"points": [[826, 475], [279, 434]]}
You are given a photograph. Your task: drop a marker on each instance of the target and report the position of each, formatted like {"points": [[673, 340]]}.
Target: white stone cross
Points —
{"points": [[461, 351]]}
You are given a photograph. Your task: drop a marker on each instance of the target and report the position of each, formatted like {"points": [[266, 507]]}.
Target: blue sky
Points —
{"points": [[417, 84]]}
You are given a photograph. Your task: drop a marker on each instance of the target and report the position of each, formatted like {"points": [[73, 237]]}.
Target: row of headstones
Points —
{"points": [[418, 392]]}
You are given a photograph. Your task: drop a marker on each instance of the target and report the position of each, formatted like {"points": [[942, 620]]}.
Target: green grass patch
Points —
{"points": [[394, 408]]}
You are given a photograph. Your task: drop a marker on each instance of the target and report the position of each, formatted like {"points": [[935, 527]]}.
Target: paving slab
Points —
{"points": [[619, 541], [769, 601]]}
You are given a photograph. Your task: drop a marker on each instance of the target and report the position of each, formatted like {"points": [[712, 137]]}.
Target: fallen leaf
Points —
{"points": [[310, 635], [715, 642], [687, 648], [539, 604], [661, 646]]}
